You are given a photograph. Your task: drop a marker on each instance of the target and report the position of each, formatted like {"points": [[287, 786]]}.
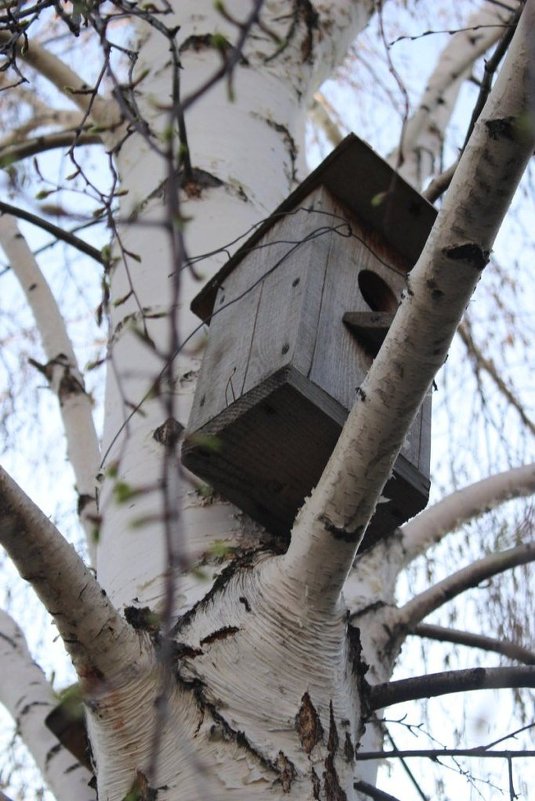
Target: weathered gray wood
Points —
{"points": [[272, 446], [339, 363], [299, 315], [286, 323], [369, 328]]}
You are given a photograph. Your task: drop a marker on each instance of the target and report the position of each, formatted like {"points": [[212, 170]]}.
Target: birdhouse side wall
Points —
{"points": [[263, 312]]}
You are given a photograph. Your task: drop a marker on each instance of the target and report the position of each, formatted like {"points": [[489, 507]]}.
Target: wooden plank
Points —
{"points": [[340, 364], [286, 322], [369, 328]]}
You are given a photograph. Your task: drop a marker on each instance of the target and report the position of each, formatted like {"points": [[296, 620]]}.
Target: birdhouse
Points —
{"points": [[295, 319]]}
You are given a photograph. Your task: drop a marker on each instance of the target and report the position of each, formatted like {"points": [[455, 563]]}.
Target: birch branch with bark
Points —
{"points": [[101, 111], [430, 526], [423, 133], [27, 695], [332, 522], [450, 681], [97, 638], [505, 647], [61, 371], [443, 591]]}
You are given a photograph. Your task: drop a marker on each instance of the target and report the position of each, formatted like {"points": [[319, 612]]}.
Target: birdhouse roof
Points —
{"points": [[366, 185]]}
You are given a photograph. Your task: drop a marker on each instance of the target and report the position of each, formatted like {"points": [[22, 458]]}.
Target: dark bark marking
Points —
{"points": [[220, 634], [340, 533], [243, 600], [27, 707], [436, 293], [286, 770], [198, 180], [333, 790], [142, 618], [308, 14], [183, 651], [470, 252], [52, 752], [207, 41], [332, 742], [290, 142], [359, 668], [349, 749], [243, 559], [221, 729], [502, 128], [308, 724], [140, 789], [168, 433], [316, 785], [83, 500], [361, 394]]}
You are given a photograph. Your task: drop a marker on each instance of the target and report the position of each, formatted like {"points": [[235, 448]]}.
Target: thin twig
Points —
{"points": [[505, 647], [450, 681], [55, 230]]}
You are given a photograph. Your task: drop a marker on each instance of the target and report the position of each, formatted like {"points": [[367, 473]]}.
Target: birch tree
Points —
{"points": [[213, 662]]}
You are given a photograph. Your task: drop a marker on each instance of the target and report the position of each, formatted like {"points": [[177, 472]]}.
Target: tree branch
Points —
{"points": [[40, 144], [61, 371], [374, 792], [426, 602], [101, 111], [332, 522], [504, 647], [321, 117], [487, 365], [28, 697], [449, 514], [55, 230], [438, 753], [422, 136], [450, 681], [95, 635]]}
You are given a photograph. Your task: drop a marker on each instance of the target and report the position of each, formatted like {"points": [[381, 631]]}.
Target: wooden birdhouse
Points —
{"points": [[296, 317]]}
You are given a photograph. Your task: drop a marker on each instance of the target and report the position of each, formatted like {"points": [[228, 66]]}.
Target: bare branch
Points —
{"points": [[426, 602], [450, 681], [505, 647], [373, 792], [332, 522], [95, 635], [321, 116], [438, 753], [421, 142], [44, 142], [55, 230], [61, 371], [449, 514], [27, 695], [101, 111], [481, 362]]}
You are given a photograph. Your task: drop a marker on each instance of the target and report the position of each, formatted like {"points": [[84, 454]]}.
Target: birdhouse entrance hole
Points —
{"points": [[376, 292]]}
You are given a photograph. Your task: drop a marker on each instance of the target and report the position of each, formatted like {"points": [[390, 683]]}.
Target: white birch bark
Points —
{"points": [[27, 695], [418, 156], [61, 371], [267, 114], [449, 514]]}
